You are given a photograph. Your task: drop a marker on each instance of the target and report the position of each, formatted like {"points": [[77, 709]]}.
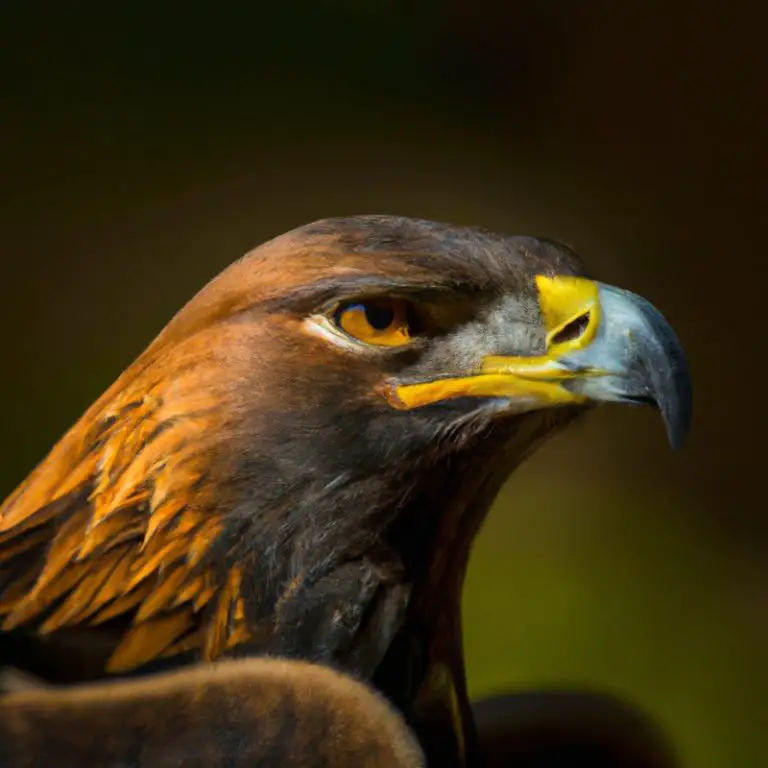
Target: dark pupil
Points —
{"points": [[378, 316]]}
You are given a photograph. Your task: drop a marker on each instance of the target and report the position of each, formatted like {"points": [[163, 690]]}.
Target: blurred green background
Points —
{"points": [[146, 145]]}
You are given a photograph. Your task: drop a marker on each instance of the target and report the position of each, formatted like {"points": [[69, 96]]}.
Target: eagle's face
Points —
{"points": [[321, 428], [373, 344], [354, 363]]}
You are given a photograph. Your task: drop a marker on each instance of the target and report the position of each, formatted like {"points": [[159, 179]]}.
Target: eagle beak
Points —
{"points": [[603, 344]]}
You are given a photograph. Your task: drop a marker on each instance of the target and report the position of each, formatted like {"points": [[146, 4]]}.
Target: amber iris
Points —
{"points": [[381, 322]]}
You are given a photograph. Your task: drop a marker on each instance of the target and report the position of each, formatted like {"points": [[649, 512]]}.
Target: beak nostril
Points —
{"points": [[572, 330]]}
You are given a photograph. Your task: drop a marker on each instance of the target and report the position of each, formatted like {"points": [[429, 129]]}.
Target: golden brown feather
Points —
{"points": [[139, 516]]}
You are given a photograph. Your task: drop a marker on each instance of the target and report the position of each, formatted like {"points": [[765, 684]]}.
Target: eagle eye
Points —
{"points": [[381, 322]]}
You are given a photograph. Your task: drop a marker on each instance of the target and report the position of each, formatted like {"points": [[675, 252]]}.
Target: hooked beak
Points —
{"points": [[604, 344]]}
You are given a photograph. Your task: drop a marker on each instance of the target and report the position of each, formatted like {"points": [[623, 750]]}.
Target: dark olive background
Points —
{"points": [[146, 145]]}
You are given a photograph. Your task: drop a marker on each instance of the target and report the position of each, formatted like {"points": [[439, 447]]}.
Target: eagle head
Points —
{"points": [[299, 462]]}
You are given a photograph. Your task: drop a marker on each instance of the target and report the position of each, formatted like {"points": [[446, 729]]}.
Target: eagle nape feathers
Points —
{"points": [[298, 464]]}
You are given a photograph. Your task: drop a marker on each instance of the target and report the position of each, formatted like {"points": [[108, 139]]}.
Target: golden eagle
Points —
{"points": [[298, 464]]}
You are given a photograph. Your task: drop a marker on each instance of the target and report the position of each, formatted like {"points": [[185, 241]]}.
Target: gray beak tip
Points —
{"points": [[670, 381], [677, 408], [677, 437], [653, 365]]}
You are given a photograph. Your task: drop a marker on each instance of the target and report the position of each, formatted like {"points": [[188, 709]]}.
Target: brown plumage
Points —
{"points": [[243, 713], [299, 463]]}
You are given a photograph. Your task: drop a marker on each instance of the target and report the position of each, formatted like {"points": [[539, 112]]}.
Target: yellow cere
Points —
{"points": [[563, 300]]}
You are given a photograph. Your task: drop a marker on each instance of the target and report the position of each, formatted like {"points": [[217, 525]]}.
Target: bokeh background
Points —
{"points": [[146, 145]]}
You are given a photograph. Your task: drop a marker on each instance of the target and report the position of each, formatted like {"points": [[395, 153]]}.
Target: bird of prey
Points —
{"points": [[239, 713], [298, 464]]}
